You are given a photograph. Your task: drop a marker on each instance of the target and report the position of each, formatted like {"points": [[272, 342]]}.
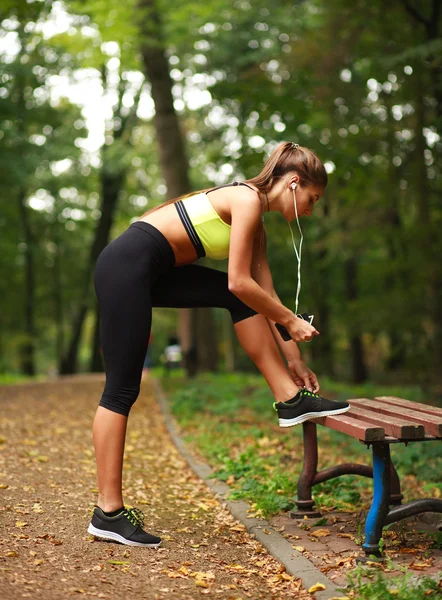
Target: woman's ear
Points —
{"points": [[294, 181]]}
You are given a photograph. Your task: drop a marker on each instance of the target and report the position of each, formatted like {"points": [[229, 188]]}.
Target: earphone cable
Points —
{"points": [[298, 253]]}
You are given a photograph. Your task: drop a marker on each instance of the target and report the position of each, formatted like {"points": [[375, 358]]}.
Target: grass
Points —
{"points": [[366, 583], [229, 419], [11, 378]]}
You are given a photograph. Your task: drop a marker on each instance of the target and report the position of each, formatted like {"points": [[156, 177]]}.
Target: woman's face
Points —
{"points": [[306, 198]]}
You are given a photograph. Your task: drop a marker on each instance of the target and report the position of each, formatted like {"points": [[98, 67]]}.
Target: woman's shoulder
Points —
{"points": [[246, 196]]}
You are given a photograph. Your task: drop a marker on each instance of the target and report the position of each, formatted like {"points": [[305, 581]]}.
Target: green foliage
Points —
{"points": [[370, 106], [378, 587]]}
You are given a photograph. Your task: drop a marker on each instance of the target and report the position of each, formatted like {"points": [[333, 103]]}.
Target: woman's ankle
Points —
{"points": [[286, 394], [110, 505]]}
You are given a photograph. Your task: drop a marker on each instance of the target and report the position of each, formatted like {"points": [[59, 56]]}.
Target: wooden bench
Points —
{"points": [[377, 423]]}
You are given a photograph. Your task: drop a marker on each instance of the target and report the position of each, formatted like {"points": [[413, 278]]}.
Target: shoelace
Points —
{"points": [[135, 516], [304, 392]]}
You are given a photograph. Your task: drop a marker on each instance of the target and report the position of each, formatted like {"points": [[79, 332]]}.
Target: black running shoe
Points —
{"points": [[307, 405], [126, 528]]}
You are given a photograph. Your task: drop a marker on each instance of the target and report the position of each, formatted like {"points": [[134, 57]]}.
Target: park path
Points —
{"points": [[48, 490]]}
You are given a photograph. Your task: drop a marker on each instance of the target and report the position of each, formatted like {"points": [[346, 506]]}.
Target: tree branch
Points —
{"points": [[435, 16], [415, 14]]}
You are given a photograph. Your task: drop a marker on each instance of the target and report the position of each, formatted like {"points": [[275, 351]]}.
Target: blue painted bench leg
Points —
{"points": [[379, 507]]}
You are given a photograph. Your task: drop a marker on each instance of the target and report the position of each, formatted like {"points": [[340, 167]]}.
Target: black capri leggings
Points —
{"points": [[134, 273]]}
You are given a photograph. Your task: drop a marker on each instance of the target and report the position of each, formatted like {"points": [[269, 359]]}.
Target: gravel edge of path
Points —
{"points": [[295, 563]]}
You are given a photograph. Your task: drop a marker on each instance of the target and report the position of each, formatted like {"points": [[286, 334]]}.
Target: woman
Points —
{"points": [[150, 265]]}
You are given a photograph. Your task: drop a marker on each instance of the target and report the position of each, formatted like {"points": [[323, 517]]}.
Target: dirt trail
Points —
{"points": [[48, 490]]}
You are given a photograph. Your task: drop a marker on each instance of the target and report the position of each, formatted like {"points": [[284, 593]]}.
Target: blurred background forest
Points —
{"points": [[109, 108]]}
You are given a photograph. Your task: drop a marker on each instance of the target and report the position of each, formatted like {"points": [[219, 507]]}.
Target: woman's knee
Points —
{"points": [[119, 399], [240, 311]]}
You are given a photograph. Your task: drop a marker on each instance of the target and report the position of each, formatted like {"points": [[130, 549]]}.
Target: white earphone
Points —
{"points": [[298, 252]]}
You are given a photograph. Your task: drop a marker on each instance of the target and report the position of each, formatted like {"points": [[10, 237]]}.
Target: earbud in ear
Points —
{"points": [[293, 186]]}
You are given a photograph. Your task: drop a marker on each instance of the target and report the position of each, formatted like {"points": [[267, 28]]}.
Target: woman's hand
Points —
{"points": [[300, 330], [302, 375]]}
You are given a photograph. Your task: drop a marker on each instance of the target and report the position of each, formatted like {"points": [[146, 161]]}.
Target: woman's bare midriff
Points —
{"points": [[167, 221]]}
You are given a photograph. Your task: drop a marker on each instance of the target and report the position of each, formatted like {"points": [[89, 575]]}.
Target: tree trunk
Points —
{"points": [[96, 364], [394, 236], [228, 345], [206, 350], [322, 349], [27, 350], [58, 297], [111, 186], [359, 371], [173, 159], [428, 16]]}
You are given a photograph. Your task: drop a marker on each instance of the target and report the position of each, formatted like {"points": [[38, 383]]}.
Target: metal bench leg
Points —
{"points": [[396, 496], [381, 492], [304, 502]]}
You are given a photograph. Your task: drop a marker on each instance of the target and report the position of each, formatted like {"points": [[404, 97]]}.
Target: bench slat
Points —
{"points": [[399, 428], [425, 408], [432, 424], [353, 427]]}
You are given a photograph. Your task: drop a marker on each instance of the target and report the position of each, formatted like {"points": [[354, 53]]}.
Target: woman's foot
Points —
{"points": [[307, 405], [125, 528]]}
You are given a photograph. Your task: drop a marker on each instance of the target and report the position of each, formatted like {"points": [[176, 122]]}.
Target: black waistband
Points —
{"points": [[191, 231], [161, 241]]}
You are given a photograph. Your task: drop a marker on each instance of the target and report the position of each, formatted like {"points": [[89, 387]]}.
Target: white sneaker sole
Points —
{"points": [[314, 415], [110, 535]]}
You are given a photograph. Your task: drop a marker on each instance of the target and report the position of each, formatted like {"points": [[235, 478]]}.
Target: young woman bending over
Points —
{"points": [[150, 265]]}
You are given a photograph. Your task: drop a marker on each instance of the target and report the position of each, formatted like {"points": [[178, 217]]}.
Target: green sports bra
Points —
{"points": [[209, 234]]}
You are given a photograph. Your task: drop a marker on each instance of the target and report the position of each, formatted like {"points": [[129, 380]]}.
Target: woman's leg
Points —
{"points": [[123, 278], [109, 434], [196, 286], [256, 337]]}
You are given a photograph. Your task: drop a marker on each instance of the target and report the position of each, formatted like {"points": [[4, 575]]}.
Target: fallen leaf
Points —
{"points": [[316, 588], [320, 533], [20, 524], [12, 553], [239, 528], [236, 567], [420, 566], [299, 548], [3, 486], [118, 562]]}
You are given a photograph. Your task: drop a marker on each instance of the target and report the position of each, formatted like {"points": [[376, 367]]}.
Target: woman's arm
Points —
{"points": [[246, 218], [262, 275], [301, 374]]}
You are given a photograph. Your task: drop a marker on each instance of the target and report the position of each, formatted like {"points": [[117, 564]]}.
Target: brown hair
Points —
{"points": [[286, 157]]}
